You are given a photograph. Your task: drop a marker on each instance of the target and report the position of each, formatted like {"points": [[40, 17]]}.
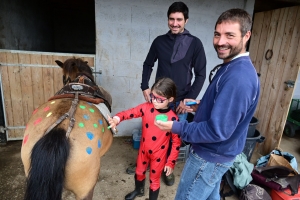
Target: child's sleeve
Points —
{"points": [[131, 113], [176, 142]]}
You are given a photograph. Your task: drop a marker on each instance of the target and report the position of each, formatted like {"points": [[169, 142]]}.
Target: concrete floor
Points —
{"points": [[113, 183]]}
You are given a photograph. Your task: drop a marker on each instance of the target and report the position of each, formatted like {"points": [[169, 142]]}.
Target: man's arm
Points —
{"points": [[148, 67], [199, 65]]}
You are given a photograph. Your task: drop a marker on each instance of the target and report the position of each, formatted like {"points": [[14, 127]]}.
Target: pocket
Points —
{"points": [[215, 171]]}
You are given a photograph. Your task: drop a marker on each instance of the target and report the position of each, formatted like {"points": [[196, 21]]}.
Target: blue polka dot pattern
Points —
{"points": [[100, 122], [90, 135], [86, 117], [99, 144], [89, 150]]}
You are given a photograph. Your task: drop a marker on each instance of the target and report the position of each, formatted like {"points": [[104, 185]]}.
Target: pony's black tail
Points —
{"points": [[48, 160]]}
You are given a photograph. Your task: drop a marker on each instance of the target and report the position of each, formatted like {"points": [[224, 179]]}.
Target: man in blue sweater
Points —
{"points": [[219, 130], [179, 54]]}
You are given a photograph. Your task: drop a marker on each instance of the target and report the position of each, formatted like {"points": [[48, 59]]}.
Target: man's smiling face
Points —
{"points": [[228, 40], [176, 22]]}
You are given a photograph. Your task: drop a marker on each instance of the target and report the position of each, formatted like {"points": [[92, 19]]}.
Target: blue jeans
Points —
{"points": [[200, 179], [182, 116]]}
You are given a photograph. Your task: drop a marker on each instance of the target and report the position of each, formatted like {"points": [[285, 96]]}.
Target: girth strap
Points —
{"points": [[70, 114]]}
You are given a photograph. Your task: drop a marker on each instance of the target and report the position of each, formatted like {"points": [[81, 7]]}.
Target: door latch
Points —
{"points": [[289, 84]]}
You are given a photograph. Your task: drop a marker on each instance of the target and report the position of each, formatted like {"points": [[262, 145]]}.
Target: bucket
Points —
{"points": [[252, 127], [251, 143], [136, 136]]}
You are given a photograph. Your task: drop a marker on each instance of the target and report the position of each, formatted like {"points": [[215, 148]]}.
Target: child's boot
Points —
{"points": [[138, 191], [153, 195]]}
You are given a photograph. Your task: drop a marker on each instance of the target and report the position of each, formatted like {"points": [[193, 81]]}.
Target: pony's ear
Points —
{"points": [[59, 63], [86, 62]]}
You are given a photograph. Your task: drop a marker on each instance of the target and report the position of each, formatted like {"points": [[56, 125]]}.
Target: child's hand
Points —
{"points": [[112, 122], [168, 170]]}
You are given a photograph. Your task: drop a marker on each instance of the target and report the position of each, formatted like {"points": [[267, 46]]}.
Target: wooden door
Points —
{"points": [[275, 53], [28, 79]]}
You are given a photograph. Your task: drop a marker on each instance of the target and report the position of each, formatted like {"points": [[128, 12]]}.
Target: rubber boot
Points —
{"points": [[138, 191], [153, 195]]}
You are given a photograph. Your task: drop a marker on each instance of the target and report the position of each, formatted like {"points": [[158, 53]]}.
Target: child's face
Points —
{"points": [[159, 102]]}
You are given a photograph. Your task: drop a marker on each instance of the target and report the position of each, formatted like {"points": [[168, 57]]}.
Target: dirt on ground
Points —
{"points": [[113, 182]]}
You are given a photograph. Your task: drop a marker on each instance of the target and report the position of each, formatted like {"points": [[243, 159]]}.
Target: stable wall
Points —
{"points": [[124, 33]]}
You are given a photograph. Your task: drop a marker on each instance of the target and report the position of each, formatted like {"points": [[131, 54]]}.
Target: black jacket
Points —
{"points": [[178, 56]]}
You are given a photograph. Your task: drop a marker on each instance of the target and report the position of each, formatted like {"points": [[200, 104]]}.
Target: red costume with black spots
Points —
{"points": [[154, 142]]}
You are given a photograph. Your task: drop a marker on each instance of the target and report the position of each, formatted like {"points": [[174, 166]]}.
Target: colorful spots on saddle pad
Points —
{"points": [[52, 102], [37, 121], [91, 110], [46, 108], [95, 125], [26, 138], [49, 114], [99, 144], [90, 135], [89, 150], [100, 121]]}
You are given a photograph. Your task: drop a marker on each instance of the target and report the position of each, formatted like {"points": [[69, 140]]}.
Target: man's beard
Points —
{"points": [[233, 51]]}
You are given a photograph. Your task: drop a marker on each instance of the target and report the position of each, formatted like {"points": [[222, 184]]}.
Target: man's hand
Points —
{"points": [[192, 108], [146, 94], [165, 126], [181, 108]]}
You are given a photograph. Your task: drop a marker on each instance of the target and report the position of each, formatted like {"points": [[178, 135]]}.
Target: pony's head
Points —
{"points": [[73, 67]]}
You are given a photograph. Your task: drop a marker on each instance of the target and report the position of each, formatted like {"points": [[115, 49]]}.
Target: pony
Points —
{"points": [[66, 136]]}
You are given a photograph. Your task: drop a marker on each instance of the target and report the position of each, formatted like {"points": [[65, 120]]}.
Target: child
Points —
{"points": [[154, 142]]}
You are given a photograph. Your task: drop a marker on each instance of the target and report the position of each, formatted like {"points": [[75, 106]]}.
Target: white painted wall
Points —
{"points": [[125, 30], [297, 88]]}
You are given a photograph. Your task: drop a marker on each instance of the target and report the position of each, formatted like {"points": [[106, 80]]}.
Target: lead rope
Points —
{"points": [[65, 116]]}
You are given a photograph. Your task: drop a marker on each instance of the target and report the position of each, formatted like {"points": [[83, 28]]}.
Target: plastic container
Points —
{"points": [[251, 143], [183, 153], [252, 127], [136, 137], [161, 117], [283, 195]]}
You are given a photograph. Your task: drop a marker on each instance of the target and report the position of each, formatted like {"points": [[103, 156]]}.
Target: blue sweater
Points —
{"points": [[219, 130]]}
